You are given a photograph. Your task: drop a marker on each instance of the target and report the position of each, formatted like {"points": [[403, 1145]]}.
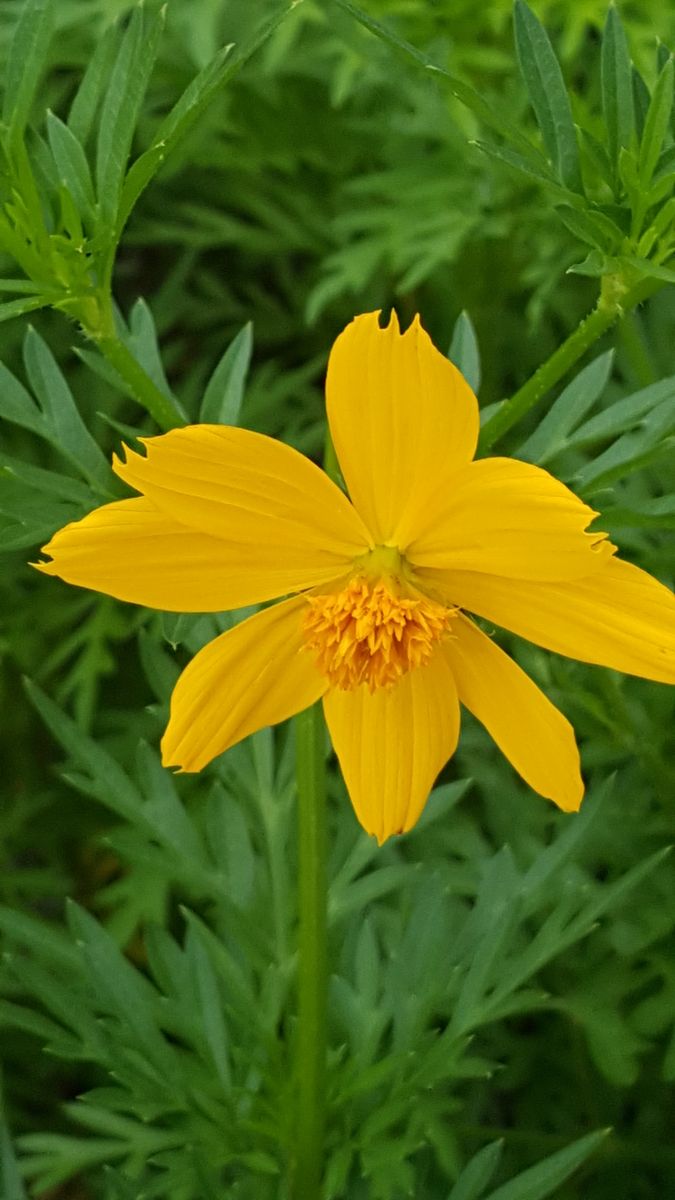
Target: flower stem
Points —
{"points": [[612, 305], [310, 1046]]}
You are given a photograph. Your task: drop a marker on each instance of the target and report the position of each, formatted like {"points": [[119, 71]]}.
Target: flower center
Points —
{"points": [[369, 633]]}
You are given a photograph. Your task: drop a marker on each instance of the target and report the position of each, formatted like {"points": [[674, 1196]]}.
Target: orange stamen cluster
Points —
{"points": [[368, 634]]}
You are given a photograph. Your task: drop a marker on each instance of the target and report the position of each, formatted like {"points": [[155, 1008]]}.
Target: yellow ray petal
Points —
{"points": [[257, 674], [133, 551], [509, 518], [620, 618], [529, 730], [391, 744], [277, 516], [402, 418]]}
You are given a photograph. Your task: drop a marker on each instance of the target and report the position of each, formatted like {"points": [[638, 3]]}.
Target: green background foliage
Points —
{"points": [[502, 984]]}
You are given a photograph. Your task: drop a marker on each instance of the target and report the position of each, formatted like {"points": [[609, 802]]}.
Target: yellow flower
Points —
{"points": [[378, 586]]}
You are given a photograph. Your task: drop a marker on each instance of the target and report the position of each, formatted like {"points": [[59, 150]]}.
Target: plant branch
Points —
{"points": [[611, 306], [310, 1048]]}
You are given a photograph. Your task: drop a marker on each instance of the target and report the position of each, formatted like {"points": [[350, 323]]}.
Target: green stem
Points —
{"points": [[611, 305], [160, 407], [310, 1046]]}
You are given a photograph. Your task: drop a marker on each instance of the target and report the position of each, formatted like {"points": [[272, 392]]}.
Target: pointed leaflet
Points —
{"points": [[551, 434], [71, 164], [225, 389], [657, 123], [27, 55], [477, 1173], [464, 352], [88, 95], [548, 95], [486, 112], [617, 91], [121, 107], [187, 111], [62, 419], [541, 1180]]}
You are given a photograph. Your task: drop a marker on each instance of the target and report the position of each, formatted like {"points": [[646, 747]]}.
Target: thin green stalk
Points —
{"points": [[612, 304], [310, 1045], [155, 402]]}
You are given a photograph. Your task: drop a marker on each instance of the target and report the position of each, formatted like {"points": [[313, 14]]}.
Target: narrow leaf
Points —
{"points": [[657, 123], [539, 1181], [71, 164], [550, 437], [486, 112], [543, 78], [225, 389], [17, 308], [61, 413], [617, 91], [187, 111], [88, 96], [590, 227], [477, 1173], [27, 55], [640, 101], [464, 352], [538, 170], [121, 107]]}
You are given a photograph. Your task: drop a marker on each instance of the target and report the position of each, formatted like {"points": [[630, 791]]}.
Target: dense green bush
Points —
{"points": [[502, 978]]}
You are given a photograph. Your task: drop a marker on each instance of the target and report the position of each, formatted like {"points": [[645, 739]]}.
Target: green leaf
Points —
{"points": [[617, 91], [551, 435], [211, 1007], [121, 990], [11, 1183], [543, 1179], [538, 170], [88, 96], [62, 419], [640, 101], [17, 308], [657, 123], [591, 227], [195, 99], [597, 156], [488, 113], [624, 414], [644, 514], [630, 451], [543, 78], [225, 390], [477, 1173], [464, 352], [595, 265], [144, 345], [128, 82], [71, 164], [109, 783], [27, 56]]}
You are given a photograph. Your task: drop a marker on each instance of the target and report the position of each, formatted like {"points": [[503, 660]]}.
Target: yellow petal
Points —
{"points": [[391, 744], [254, 675], [509, 518], [528, 729], [133, 551], [279, 519], [620, 618], [402, 418]]}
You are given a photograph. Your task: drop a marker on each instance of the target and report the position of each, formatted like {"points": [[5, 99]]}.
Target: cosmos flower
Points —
{"points": [[377, 587]]}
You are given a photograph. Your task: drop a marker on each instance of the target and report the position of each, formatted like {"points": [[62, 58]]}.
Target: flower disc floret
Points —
{"points": [[368, 633]]}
